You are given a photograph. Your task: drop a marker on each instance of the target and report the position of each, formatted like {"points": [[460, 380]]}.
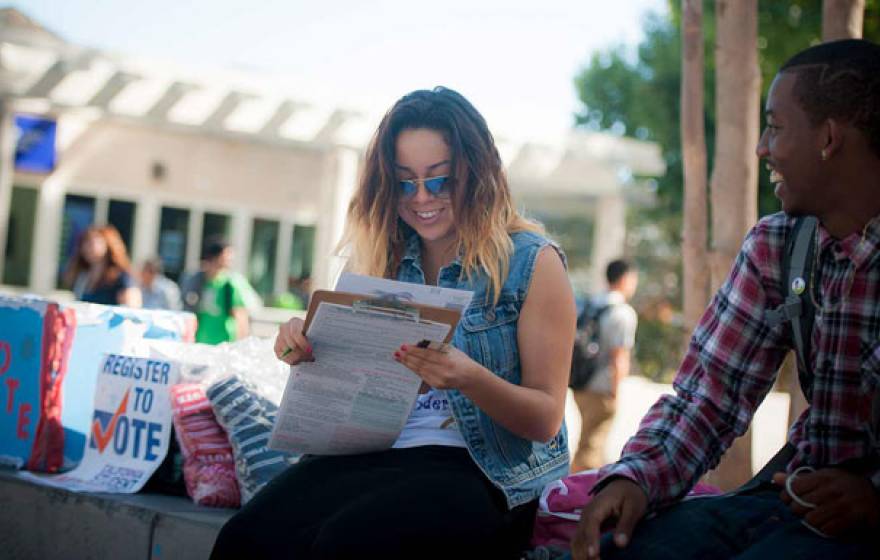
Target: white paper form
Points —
{"points": [[354, 398], [406, 292]]}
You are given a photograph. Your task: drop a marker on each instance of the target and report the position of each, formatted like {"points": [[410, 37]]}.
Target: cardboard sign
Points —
{"points": [[35, 340], [100, 330], [49, 356], [130, 428]]}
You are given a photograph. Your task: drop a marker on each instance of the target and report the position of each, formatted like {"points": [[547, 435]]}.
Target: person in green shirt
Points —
{"points": [[215, 295]]}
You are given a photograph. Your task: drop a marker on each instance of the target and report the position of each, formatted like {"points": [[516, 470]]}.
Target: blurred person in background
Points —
{"points": [[597, 401], [216, 296], [158, 291], [99, 270], [296, 297]]}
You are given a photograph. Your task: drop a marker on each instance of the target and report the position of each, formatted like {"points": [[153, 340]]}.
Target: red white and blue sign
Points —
{"points": [[131, 427]]}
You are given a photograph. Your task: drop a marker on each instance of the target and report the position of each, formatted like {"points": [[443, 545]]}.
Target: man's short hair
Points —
{"points": [[841, 80], [214, 247], [617, 269], [155, 265]]}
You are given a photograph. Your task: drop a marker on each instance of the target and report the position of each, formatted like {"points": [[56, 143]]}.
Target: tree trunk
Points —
{"points": [[842, 19], [693, 146], [734, 185]]}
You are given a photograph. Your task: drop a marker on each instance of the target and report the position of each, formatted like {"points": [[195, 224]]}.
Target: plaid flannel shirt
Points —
{"points": [[733, 359]]}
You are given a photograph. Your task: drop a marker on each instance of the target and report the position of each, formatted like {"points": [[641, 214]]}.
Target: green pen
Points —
{"points": [[288, 350]]}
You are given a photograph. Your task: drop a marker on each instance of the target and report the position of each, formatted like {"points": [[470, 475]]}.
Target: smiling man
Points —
{"points": [[822, 145]]}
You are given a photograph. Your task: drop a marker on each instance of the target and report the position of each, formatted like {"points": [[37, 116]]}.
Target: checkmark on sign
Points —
{"points": [[102, 437]]}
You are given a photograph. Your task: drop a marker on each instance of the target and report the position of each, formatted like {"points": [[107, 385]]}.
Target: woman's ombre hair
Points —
{"points": [[484, 213]]}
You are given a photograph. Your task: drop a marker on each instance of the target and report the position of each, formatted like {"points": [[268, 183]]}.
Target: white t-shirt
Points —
{"points": [[430, 423], [617, 329]]}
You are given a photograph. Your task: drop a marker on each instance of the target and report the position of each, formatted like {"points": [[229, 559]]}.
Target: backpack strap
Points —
{"points": [[592, 312], [800, 312], [192, 291], [797, 307], [601, 311], [227, 297], [802, 325], [875, 422], [776, 464]]}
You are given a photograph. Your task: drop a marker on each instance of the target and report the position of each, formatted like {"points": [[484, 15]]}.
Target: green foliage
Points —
{"points": [[638, 93], [575, 234], [656, 347]]}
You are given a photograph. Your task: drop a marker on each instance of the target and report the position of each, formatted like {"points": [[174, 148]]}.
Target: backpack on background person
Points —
{"points": [[193, 290], [585, 355]]}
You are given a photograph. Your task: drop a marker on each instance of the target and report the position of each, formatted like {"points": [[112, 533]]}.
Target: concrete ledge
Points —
{"points": [[38, 522]]}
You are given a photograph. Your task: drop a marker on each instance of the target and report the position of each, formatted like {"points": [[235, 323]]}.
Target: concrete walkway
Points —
{"points": [[637, 394]]}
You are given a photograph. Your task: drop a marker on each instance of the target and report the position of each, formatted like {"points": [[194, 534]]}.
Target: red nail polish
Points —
{"points": [[403, 347], [397, 355], [309, 348]]}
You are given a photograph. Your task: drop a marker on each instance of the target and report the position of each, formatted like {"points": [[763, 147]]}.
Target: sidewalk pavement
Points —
{"points": [[637, 394]]}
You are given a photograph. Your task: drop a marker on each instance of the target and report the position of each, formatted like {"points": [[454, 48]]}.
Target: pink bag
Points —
{"points": [[208, 465], [559, 508]]}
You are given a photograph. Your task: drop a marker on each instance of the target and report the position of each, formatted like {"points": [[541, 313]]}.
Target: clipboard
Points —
{"points": [[355, 398], [384, 306]]}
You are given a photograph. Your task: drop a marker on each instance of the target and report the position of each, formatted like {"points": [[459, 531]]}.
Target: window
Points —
{"points": [[173, 231], [214, 225], [302, 252], [78, 216], [20, 236], [261, 262], [120, 214]]}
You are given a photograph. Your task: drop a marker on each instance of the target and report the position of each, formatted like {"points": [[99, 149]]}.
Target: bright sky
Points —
{"points": [[515, 60]]}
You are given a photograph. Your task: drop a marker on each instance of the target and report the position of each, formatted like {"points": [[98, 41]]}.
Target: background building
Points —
{"points": [[171, 155]]}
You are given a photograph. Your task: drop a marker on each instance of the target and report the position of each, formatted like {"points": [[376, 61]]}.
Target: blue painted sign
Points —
{"points": [[35, 144]]}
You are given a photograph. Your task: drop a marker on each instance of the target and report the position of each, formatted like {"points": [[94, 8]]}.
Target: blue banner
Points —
{"points": [[35, 144]]}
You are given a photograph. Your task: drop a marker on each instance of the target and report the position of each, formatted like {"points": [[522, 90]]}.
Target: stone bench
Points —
{"points": [[39, 522]]}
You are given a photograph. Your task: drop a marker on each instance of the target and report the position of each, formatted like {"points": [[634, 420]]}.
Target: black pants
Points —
{"points": [[423, 502]]}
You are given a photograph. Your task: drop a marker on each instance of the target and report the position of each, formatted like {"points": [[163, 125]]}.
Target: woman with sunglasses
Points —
{"points": [[433, 206]]}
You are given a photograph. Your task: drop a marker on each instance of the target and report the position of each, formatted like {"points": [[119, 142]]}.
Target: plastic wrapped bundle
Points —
{"points": [[248, 418], [251, 359], [209, 464]]}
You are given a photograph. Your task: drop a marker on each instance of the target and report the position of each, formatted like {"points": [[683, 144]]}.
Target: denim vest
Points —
{"points": [[487, 333]]}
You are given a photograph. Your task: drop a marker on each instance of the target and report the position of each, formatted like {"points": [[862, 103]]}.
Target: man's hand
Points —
{"points": [[844, 501], [620, 505]]}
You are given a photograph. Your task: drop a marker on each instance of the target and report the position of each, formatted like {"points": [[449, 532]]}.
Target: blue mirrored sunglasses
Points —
{"points": [[437, 186]]}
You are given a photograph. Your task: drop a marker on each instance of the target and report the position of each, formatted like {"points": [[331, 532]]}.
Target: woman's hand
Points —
{"points": [[291, 345], [442, 366]]}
